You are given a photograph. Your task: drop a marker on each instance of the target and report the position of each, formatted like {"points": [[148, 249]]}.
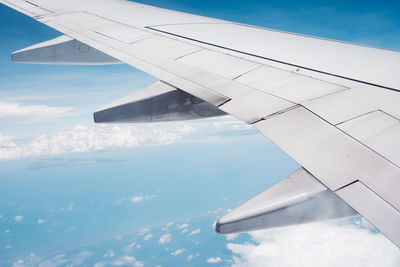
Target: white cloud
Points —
{"points": [[186, 129], [16, 112], [85, 139], [41, 221], [231, 237], [127, 260], [148, 237], [143, 231], [56, 260], [177, 252], [191, 256], [315, 245], [231, 124], [70, 207], [214, 211], [137, 199], [195, 232], [109, 254], [131, 246], [18, 218], [165, 239], [182, 226], [185, 231], [167, 226], [214, 260]]}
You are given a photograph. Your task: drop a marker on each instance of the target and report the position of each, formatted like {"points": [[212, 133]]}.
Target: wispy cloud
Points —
{"points": [[182, 226], [167, 226], [109, 254], [144, 231], [137, 199], [319, 244], [11, 112], [192, 256], [195, 232], [70, 207], [56, 260]]}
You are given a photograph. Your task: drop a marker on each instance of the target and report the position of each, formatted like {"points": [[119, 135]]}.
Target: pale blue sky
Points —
{"points": [[75, 184]]}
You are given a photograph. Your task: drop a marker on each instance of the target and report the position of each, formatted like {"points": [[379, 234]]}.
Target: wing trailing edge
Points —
{"points": [[300, 198]]}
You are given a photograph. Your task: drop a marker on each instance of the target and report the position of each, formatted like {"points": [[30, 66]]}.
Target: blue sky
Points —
{"points": [[72, 192]]}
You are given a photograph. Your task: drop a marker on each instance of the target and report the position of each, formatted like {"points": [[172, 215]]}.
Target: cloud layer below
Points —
{"points": [[11, 112], [320, 244], [95, 138]]}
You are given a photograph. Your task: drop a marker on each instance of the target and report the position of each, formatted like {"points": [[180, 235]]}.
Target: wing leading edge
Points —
{"points": [[315, 103]]}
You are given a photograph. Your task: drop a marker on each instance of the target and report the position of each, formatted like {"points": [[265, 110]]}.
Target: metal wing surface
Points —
{"points": [[332, 106]]}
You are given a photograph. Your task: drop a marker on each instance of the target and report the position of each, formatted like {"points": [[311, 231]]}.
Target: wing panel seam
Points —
{"points": [[274, 60], [366, 186]]}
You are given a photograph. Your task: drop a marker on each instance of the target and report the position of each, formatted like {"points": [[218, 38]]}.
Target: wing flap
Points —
{"points": [[219, 64], [166, 47], [351, 106], [373, 208], [122, 32], [329, 154], [377, 130], [288, 85]]}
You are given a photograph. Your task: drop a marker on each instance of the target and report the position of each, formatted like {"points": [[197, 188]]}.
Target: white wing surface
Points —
{"points": [[332, 106]]}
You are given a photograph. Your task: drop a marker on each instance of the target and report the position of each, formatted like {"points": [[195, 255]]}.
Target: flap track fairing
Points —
{"points": [[157, 103], [300, 198]]}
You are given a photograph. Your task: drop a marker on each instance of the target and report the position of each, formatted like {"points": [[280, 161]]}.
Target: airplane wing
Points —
{"points": [[332, 106]]}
